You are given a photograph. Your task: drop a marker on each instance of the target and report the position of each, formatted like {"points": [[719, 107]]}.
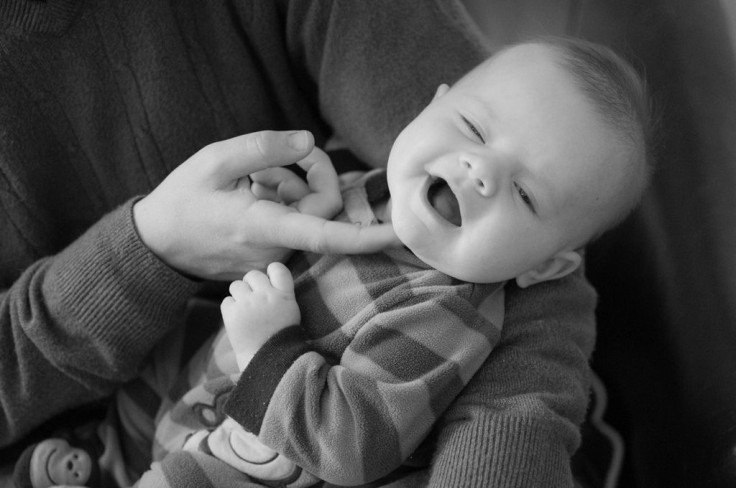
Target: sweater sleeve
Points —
{"points": [[377, 64], [394, 380], [76, 325], [517, 424]]}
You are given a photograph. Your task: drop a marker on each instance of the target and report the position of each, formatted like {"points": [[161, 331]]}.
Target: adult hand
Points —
{"points": [[203, 219]]}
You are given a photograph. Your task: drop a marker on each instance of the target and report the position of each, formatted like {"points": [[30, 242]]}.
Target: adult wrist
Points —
{"points": [[107, 270], [148, 229]]}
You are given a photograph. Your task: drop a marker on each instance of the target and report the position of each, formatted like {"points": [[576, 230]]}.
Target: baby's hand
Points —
{"points": [[257, 308]]}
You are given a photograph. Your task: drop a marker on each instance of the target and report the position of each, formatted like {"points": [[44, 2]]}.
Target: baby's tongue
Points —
{"points": [[443, 200]]}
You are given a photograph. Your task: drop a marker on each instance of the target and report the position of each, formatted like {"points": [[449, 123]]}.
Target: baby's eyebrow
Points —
{"points": [[487, 109], [481, 106]]}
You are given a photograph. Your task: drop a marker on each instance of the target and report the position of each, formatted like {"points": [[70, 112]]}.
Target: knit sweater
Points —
{"points": [[101, 99]]}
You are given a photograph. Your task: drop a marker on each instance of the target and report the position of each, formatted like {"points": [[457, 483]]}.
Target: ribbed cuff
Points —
{"points": [[112, 288], [507, 451], [249, 400]]}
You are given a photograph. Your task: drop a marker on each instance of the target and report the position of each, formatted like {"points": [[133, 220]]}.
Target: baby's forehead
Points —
{"points": [[517, 67], [533, 54]]}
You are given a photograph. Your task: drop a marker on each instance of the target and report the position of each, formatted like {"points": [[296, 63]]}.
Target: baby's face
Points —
{"points": [[507, 168]]}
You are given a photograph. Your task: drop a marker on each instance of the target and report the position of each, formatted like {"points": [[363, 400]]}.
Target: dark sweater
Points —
{"points": [[101, 99]]}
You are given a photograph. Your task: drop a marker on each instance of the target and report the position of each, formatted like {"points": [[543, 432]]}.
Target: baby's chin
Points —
{"points": [[418, 248], [469, 272]]}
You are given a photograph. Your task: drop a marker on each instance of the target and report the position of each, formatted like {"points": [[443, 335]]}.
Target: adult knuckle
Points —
{"points": [[210, 152], [260, 143], [318, 241], [334, 203]]}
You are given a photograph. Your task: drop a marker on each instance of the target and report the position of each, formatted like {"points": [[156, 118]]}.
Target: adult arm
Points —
{"points": [[76, 324], [517, 423], [65, 319]]}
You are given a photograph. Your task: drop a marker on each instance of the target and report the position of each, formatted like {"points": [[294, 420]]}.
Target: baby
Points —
{"points": [[340, 374]]}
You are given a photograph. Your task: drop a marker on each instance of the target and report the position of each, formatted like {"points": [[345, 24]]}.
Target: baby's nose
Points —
{"points": [[482, 177]]}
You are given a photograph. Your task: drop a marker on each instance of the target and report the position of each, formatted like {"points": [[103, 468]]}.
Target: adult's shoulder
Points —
{"points": [[563, 307]]}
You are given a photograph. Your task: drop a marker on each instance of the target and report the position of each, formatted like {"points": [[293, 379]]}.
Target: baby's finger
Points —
{"points": [[227, 303], [228, 310], [257, 280], [280, 277], [238, 289]]}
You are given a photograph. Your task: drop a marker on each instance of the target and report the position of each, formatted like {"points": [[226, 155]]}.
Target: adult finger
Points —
{"points": [[321, 174], [324, 199], [263, 192], [309, 233], [283, 185], [243, 155]]}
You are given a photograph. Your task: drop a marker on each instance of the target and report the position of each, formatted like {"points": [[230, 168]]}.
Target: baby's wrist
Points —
{"points": [[244, 358]]}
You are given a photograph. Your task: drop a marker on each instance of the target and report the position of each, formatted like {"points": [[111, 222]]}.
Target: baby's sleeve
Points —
{"points": [[354, 419]]}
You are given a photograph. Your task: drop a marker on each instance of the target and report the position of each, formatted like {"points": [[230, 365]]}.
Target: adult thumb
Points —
{"points": [[243, 155]]}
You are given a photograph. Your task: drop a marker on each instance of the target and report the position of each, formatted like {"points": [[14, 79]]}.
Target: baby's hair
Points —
{"points": [[619, 94]]}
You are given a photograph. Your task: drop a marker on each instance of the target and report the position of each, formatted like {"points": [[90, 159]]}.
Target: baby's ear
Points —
{"points": [[561, 264], [441, 90]]}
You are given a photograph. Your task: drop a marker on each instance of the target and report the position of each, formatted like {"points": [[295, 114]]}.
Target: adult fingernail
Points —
{"points": [[298, 140]]}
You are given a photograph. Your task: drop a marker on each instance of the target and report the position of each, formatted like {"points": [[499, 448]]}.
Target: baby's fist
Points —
{"points": [[259, 306]]}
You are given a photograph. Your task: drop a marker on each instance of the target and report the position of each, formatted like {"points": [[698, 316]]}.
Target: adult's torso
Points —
{"points": [[102, 104]]}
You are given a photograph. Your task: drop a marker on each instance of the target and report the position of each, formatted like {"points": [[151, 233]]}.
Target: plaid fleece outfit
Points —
{"points": [[385, 344]]}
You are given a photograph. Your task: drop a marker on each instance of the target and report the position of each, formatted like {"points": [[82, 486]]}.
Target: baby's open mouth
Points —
{"points": [[444, 201]]}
